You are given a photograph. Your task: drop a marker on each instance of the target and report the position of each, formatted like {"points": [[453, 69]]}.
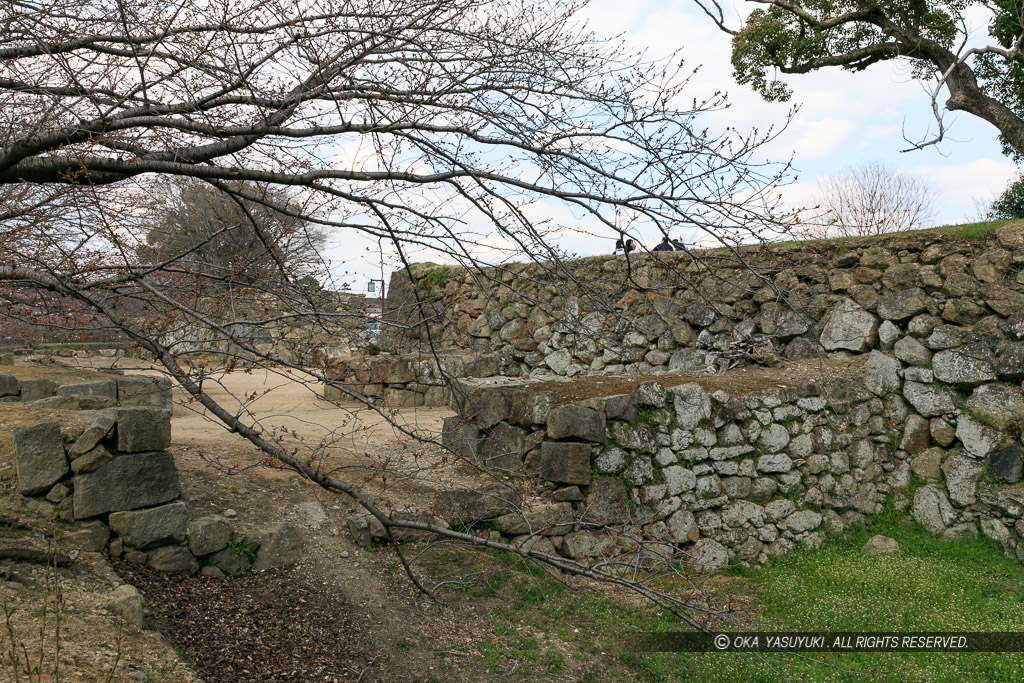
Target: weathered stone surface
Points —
{"points": [[127, 482], [9, 385], [606, 502], [651, 394], [279, 547], [692, 405], [775, 463], [916, 437], [559, 361], [773, 439], [850, 328], [960, 532], [1006, 464], [967, 366], [612, 460], [929, 400], [565, 462], [678, 479], [903, 304], [932, 509], [462, 437], [962, 474], [928, 464], [688, 360], [577, 423], [888, 334], [141, 529], [633, 436], [208, 535], [881, 374], [913, 352], [803, 520], [683, 527], [994, 529], [504, 448], [35, 389], [100, 428], [640, 471], [586, 544], [463, 507], [1009, 363], [941, 431], [880, 545], [978, 439], [102, 388], [143, 391], [91, 461], [143, 429], [554, 519], [998, 405], [946, 337], [40, 457], [739, 512], [708, 555], [126, 602], [173, 559]]}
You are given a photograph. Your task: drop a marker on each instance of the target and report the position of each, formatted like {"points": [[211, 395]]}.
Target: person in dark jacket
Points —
{"points": [[665, 245]]}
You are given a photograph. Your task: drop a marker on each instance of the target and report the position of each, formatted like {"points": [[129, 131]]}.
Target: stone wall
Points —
{"points": [[107, 469], [721, 477], [667, 311]]}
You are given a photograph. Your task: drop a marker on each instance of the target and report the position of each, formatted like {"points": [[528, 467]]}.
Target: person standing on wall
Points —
{"points": [[665, 245]]}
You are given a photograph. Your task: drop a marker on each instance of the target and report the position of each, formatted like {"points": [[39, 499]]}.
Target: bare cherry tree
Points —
{"points": [[446, 126], [874, 199]]}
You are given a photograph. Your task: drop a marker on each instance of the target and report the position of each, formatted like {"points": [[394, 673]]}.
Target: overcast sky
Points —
{"points": [[844, 120]]}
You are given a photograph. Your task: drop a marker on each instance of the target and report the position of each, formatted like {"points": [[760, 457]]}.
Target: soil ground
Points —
{"points": [[344, 613]]}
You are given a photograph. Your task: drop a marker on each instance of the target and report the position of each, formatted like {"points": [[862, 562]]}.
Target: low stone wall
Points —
{"points": [[112, 474], [407, 381], [719, 477]]}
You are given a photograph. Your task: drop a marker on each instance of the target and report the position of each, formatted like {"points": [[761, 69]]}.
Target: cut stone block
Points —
{"points": [[128, 482], [141, 529], [565, 462], [40, 457], [143, 429]]}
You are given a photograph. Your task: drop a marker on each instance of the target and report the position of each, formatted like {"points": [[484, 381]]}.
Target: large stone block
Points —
{"points": [[462, 437], [127, 482], [106, 388], [850, 328], [173, 559], [933, 509], [565, 462], [576, 422], [967, 366], [93, 434], [464, 507], [143, 429], [504, 448], [162, 525], [279, 548], [1006, 464], [144, 391], [903, 304], [929, 400], [881, 374], [40, 457], [208, 535], [554, 519], [35, 389], [9, 385], [691, 403], [607, 502], [997, 404]]}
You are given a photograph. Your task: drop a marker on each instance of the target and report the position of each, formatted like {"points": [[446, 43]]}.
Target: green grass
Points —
{"points": [[929, 585], [971, 231]]}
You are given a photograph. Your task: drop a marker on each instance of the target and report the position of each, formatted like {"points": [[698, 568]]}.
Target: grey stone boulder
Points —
{"points": [[913, 352], [503, 449], [635, 436], [141, 529], [688, 360], [739, 512], [173, 559], [552, 519], [35, 389], [691, 403], [1009, 363], [773, 439], [640, 471], [880, 545], [91, 461], [650, 394], [611, 461], [962, 474], [967, 366], [40, 458], [678, 479], [946, 337], [127, 482], [803, 520], [881, 374], [849, 328], [998, 405], [102, 388], [683, 527], [143, 429], [708, 555], [978, 439], [9, 385], [127, 604], [464, 507], [464, 438], [607, 502], [279, 548], [903, 304], [932, 509], [775, 463], [144, 391], [100, 428], [1006, 464], [960, 532], [208, 535], [586, 544], [576, 423], [994, 529], [888, 334], [929, 400], [565, 462], [559, 361], [916, 437]]}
